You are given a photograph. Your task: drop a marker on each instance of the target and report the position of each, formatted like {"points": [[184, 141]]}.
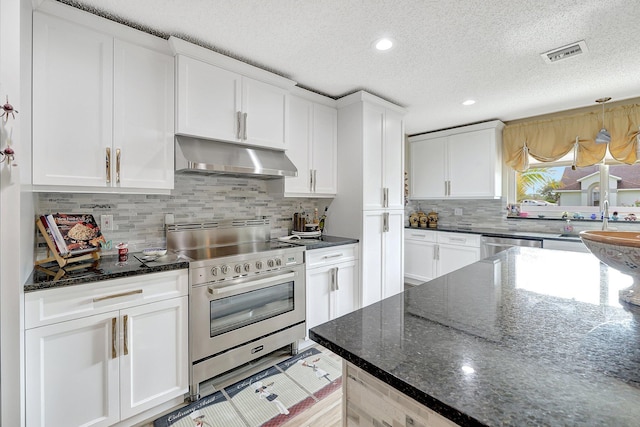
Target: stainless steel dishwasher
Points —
{"points": [[492, 245]]}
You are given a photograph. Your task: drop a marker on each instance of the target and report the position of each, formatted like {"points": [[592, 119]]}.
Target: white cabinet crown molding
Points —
{"points": [[493, 124], [313, 96], [183, 47], [362, 96], [98, 23]]}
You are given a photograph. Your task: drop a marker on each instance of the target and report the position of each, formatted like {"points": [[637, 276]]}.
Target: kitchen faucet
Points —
{"points": [[605, 215]]}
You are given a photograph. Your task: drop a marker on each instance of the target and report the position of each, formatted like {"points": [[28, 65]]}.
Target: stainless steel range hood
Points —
{"points": [[222, 158]]}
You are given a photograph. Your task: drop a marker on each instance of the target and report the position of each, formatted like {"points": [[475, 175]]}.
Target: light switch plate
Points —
{"points": [[457, 212], [106, 222]]}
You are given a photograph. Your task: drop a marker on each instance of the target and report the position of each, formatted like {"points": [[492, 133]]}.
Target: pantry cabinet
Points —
{"points": [[370, 203], [103, 106], [430, 253], [382, 255], [100, 353], [313, 149], [463, 163], [217, 99], [332, 283]]}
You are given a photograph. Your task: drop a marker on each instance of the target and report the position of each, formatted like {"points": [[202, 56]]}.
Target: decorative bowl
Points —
{"points": [[619, 250]]}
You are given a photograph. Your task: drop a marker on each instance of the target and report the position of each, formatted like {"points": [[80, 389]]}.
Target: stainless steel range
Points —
{"points": [[247, 293]]}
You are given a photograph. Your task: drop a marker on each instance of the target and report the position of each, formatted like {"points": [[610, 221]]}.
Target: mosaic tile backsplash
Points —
{"points": [[139, 219]]}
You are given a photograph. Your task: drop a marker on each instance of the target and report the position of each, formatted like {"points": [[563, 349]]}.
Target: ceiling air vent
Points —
{"points": [[565, 52]]}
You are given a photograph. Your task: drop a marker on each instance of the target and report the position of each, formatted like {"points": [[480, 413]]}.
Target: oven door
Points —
{"points": [[229, 313]]}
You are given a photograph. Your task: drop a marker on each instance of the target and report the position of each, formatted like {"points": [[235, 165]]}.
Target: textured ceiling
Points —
{"points": [[447, 50]]}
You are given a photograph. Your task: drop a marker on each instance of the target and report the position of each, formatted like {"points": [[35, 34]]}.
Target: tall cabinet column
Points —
{"points": [[370, 203]]}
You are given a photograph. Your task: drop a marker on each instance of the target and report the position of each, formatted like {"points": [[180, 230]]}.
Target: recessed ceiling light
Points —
{"points": [[383, 44], [469, 102]]}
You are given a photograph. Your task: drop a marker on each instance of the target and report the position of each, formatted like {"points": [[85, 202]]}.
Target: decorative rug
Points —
{"points": [[269, 398]]}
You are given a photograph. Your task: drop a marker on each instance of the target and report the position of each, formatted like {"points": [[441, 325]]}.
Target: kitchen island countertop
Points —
{"points": [[323, 242], [528, 337]]}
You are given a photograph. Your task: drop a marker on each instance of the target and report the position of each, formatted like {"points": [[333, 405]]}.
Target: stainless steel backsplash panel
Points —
{"points": [[217, 233]]}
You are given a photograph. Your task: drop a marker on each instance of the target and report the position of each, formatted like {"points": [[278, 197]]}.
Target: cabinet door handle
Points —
{"points": [[335, 273], [122, 294], [239, 124], [108, 164], [332, 280], [125, 326], [118, 152], [315, 180], [385, 197], [244, 130], [310, 180], [436, 253], [114, 331], [385, 222], [448, 188]]}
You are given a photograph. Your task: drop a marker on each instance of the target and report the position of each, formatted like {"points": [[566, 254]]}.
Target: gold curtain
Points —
{"points": [[550, 139]]}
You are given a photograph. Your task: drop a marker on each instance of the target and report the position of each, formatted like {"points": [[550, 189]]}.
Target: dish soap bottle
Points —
{"points": [[568, 228]]}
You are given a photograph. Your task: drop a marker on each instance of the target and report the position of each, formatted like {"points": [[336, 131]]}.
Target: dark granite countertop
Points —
{"points": [[107, 267], [494, 232], [323, 242], [528, 337]]}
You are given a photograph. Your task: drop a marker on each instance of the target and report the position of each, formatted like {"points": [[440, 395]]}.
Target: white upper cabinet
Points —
{"points": [[143, 117], [226, 100], [383, 183], [463, 163], [208, 100], [69, 143], [312, 148], [103, 106]]}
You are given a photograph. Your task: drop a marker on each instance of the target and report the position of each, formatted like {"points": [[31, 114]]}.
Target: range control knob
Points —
{"points": [[224, 269], [270, 263], [214, 271], [238, 268], [278, 262], [259, 265], [247, 267]]}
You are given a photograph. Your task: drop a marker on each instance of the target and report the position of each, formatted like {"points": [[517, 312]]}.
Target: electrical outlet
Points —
{"points": [[106, 222], [457, 212]]}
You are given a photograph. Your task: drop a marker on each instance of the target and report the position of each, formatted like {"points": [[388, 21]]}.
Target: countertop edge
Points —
{"points": [[530, 235], [61, 283], [425, 399]]}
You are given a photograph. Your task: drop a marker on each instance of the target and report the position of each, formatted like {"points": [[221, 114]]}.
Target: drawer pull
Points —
{"points": [[108, 165], [332, 256], [126, 335], [123, 294], [114, 353]]}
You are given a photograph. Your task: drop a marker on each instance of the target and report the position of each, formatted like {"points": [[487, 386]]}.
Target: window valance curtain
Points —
{"points": [[550, 139]]}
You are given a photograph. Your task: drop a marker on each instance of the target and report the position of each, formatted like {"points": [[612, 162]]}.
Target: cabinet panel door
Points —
{"points": [[143, 116], [372, 176], [419, 260], [209, 99], [393, 159], [471, 161], [453, 257], [325, 149], [266, 107], [154, 355], [393, 259], [345, 296], [318, 296], [72, 110], [72, 373], [372, 257], [298, 146], [428, 168]]}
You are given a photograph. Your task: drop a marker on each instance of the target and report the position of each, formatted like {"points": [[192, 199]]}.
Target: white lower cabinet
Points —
{"points": [[332, 283], [431, 253], [99, 366]]}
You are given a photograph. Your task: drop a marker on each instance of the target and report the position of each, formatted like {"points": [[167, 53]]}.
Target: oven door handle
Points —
{"points": [[249, 285]]}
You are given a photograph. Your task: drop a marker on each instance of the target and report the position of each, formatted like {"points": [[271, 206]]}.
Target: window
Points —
{"points": [[553, 189]]}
